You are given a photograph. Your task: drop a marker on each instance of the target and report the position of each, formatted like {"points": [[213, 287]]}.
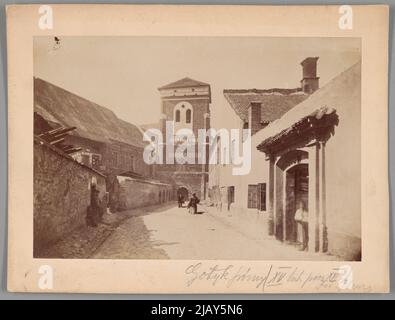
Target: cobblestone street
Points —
{"points": [[169, 232]]}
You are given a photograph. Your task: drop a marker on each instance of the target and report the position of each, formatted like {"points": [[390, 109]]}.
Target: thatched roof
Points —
{"points": [[91, 120]]}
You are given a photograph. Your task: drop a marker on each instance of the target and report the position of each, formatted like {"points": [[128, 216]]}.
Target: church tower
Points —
{"points": [[186, 102]]}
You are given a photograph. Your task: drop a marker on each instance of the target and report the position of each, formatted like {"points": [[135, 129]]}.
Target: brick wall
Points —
{"points": [[118, 158], [187, 175], [61, 195]]}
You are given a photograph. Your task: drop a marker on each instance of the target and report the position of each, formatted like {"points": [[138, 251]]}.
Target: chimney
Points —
{"points": [[254, 117], [310, 80]]}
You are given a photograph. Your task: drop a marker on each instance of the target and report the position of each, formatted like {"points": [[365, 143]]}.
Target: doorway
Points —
{"points": [[290, 176]]}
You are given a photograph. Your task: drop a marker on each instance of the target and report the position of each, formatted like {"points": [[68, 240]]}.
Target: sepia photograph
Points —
{"points": [[197, 148], [213, 149]]}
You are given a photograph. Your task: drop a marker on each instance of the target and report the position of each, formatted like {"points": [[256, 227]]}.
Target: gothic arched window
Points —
{"points": [[183, 115], [188, 116]]}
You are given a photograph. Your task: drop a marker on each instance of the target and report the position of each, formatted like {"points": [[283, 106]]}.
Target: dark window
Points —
{"points": [[85, 159], [252, 196], [178, 116], [188, 116], [231, 194]]}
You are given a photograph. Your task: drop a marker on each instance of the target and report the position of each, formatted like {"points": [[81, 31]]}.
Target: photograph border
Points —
{"points": [[370, 275]]}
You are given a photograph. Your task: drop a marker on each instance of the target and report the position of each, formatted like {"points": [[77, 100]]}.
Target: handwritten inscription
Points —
{"points": [[271, 276]]}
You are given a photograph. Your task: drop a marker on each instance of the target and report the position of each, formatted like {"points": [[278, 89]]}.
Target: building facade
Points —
{"points": [[314, 155], [107, 143], [255, 109], [305, 148]]}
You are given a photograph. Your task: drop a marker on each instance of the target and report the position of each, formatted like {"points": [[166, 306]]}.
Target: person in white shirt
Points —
{"points": [[302, 217]]}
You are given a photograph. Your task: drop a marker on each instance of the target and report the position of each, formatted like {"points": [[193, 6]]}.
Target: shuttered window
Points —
{"points": [[262, 196], [257, 196], [252, 196]]}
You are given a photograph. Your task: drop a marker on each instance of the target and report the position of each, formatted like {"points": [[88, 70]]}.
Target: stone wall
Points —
{"points": [[134, 193], [62, 193]]}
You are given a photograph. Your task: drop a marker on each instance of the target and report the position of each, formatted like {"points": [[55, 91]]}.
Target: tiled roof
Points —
{"points": [[184, 83], [275, 102], [92, 121], [341, 92]]}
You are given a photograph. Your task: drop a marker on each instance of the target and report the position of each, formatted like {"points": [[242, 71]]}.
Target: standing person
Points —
{"points": [[94, 213], [180, 200], [193, 203], [302, 217]]}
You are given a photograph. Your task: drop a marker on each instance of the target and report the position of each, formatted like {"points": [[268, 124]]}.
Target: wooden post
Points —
{"points": [[271, 197], [323, 237], [314, 189]]}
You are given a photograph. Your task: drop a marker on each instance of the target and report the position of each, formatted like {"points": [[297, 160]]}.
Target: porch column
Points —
{"points": [[271, 197], [323, 236], [275, 195], [314, 192], [284, 205]]}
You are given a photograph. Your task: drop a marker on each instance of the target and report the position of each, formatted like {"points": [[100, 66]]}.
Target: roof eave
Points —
{"points": [[309, 127]]}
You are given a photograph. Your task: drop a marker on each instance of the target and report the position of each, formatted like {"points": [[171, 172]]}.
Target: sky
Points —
{"points": [[123, 73]]}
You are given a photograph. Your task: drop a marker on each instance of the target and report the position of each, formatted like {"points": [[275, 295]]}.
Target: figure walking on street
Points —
{"points": [[192, 205]]}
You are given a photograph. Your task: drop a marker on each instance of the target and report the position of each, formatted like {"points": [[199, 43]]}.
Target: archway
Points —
{"points": [[183, 115]]}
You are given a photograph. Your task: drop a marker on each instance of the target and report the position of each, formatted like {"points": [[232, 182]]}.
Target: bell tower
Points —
{"points": [[186, 102]]}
